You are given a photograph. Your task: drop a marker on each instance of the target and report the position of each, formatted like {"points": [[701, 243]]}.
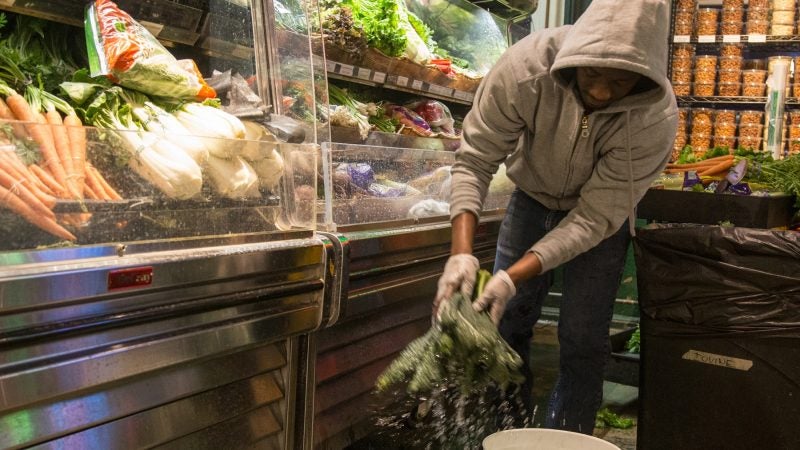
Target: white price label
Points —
{"points": [[731, 38], [346, 70], [707, 38], [363, 74], [402, 81], [330, 66], [378, 77], [760, 38], [441, 90], [461, 95], [153, 28], [681, 39], [416, 84]]}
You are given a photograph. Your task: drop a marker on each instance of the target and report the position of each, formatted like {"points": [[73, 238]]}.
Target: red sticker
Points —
{"points": [[128, 278]]}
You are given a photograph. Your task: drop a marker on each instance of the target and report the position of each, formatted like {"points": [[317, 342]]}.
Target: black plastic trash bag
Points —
{"points": [[720, 338]]}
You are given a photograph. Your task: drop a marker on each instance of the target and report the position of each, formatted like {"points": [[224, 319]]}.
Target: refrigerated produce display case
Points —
{"points": [[383, 200], [163, 300], [249, 300]]}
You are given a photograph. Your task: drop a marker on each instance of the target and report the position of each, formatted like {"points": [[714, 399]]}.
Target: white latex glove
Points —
{"points": [[459, 275], [496, 294]]}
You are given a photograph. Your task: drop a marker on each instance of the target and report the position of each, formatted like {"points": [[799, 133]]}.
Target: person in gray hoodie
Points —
{"points": [[584, 117]]}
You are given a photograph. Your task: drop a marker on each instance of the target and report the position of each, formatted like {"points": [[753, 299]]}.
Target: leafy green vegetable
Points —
{"points": [[781, 175], [686, 156], [716, 151], [464, 348], [634, 343], [608, 419]]}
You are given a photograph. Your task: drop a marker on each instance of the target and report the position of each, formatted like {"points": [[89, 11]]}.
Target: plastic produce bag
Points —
{"points": [[122, 49]]}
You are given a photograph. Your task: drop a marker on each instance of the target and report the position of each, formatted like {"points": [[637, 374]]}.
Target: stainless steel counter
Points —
{"points": [[174, 346]]}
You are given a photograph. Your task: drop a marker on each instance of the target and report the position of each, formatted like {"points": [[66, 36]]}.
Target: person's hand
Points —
{"points": [[459, 275], [496, 294]]}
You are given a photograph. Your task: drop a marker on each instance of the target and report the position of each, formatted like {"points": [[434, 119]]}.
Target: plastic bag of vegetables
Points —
{"points": [[130, 56]]}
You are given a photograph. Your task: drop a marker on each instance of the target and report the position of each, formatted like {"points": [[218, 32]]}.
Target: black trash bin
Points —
{"points": [[720, 338]]}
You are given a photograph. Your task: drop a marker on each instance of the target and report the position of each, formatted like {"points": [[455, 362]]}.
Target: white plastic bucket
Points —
{"points": [[544, 439]]}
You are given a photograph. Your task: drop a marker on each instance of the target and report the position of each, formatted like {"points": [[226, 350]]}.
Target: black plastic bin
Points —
{"points": [[720, 338]]}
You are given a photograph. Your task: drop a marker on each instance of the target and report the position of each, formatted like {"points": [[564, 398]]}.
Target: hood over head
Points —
{"points": [[621, 34]]}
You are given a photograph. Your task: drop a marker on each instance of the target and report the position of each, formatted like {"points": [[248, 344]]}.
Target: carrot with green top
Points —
{"points": [[39, 132]]}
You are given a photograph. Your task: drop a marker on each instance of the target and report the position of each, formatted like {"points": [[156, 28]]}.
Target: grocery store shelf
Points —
{"points": [[745, 38], [737, 100]]}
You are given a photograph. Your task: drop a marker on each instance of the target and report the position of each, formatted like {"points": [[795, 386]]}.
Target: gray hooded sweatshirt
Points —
{"points": [[528, 113]]}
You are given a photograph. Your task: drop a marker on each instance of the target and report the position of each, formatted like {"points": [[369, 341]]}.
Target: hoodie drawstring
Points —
{"points": [[631, 204]]}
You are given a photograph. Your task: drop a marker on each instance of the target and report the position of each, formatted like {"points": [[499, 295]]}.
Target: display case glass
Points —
{"points": [[140, 169], [138, 196], [368, 187]]}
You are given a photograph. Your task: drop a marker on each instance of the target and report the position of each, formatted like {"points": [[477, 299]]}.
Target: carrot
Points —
{"points": [[17, 186], [47, 180], [90, 194], [6, 114], [61, 142], [705, 162], [94, 183], [722, 166], [17, 205], [40, 133], [77, 145], [20, 172], [109, 191]]}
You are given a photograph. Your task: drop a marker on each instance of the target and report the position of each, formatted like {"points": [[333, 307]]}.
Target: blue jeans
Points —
{"points": [[585, 310]]}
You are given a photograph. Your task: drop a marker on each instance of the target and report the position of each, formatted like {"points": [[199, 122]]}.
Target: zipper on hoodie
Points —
{"points": [[585, 126], [584, 133]]}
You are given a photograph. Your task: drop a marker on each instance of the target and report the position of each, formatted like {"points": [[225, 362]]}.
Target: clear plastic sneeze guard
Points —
{"points": [[375, 186], [132, 193]]}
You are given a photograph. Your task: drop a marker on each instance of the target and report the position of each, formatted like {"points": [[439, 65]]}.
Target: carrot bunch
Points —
{"points": [[708, 167], [31, 190]]}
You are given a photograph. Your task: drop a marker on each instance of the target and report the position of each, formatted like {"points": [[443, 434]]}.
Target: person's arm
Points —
{"points": [[463, 233], [525, 268]]}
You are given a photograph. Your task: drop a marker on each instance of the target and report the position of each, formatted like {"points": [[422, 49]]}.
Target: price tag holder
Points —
{"points": [[378, 77], [346, 70], [330, 66], [416, 84], [402, 81], [460, 95], [681, 39], [363, 74], [757, 38], [706, 39], [731, 38]]}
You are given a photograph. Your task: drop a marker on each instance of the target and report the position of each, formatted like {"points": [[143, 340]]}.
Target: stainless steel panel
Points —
{"points": [[44, 299], [221, 409]]}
